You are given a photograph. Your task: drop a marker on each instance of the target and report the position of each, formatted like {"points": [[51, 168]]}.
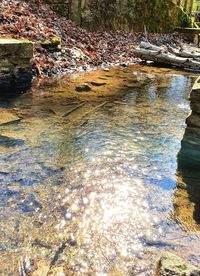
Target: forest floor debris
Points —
{"points": [[78, 49]]}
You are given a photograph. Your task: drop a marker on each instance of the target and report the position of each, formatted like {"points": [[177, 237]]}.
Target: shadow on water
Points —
{"points": [[187, 196], [10, 142], [189, 154], [14, 92]]}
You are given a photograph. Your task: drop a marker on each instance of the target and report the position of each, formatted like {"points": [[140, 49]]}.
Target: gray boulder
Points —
{"points": [[172, 265]]}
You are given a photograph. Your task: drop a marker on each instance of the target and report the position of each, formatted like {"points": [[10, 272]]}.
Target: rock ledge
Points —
{"points": [[15, 65]]}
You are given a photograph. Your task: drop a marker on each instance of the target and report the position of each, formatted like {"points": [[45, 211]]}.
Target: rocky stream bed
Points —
{"points": [[89, 178]]}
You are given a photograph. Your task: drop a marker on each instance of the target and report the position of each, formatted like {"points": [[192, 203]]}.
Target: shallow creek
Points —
{"points": [[89, 180]]}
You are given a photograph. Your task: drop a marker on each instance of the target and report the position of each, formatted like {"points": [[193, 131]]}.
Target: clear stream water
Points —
{"points": [[89, 182]]}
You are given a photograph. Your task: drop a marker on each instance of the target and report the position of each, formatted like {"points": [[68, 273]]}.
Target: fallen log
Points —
{"points": [[166, 58], [168, 48], [184, 54], [149, 46]]}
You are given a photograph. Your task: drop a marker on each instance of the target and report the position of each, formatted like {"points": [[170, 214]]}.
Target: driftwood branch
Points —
{"points": [[73, 109], [94, 109], [149, 46]]}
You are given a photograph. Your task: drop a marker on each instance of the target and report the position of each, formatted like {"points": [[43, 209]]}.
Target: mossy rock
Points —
{"points": [[53, 44]]}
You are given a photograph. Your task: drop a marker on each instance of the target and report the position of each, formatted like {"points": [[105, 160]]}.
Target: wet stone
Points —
{"points": [[83, 88], [43, 268], [94, 83], [171, 264], [7, 117], [7, 194], [29, 205], [10, 142]]}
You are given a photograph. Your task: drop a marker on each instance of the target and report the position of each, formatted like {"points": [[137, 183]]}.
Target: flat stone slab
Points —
{"points": [[12, 41], [7, 117], [21, 48]]}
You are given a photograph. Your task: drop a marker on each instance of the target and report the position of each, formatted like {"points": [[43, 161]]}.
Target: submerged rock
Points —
{"points": [[43, 269], [171, 264], [10, 142], [83, 88], [94, 83]]}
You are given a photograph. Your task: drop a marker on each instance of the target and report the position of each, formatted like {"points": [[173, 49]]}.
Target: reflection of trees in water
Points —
{"points": [[187, 197], [189, 155]]}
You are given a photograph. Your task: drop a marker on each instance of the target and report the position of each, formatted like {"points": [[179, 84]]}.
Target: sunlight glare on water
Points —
{"points": [[91, 191]]}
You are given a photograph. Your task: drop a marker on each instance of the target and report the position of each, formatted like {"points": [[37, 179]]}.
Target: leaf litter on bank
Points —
{"points": [[81, 49]]}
